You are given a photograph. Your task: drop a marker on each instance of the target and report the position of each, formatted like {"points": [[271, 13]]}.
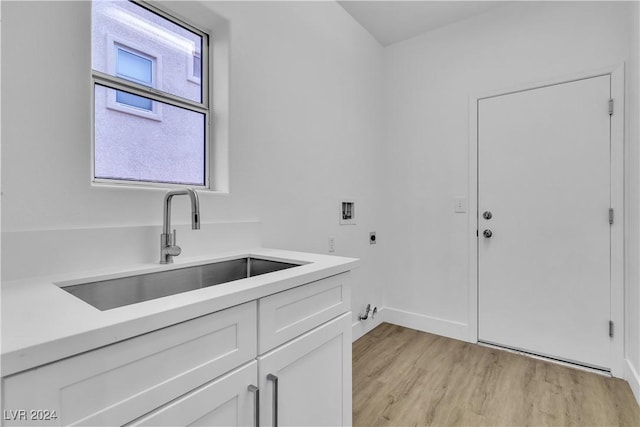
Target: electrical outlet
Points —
{"points": [[332, 244]]}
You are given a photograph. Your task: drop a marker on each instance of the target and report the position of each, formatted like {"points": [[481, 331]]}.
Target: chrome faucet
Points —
{"points": [[168, 247]]}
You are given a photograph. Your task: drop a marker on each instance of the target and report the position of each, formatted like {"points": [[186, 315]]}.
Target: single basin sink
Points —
{"points": [[108, 294]]}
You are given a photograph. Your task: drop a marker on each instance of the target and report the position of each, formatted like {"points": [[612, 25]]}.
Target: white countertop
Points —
{"points": [[42, 323]]}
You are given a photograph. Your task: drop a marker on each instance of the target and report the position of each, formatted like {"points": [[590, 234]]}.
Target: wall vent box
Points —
{"points": [[347, 212]]}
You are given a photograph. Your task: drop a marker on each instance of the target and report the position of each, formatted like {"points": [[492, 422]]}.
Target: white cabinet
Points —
{"points": [[116, 384], [205, 371], [307, 382], [226, 401]]}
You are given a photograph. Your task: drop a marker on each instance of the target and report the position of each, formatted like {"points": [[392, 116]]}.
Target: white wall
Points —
{"points": [[306, 85], [305, 108], [632, 296], [429, 80]]}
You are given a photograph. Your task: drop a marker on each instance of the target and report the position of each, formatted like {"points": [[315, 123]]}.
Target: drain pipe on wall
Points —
{"points": [[364, 325], [368, 310]]}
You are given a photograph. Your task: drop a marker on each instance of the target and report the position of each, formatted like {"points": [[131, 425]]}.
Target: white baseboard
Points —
{"points": [[632, 377], [362, 327], [433, 325]]}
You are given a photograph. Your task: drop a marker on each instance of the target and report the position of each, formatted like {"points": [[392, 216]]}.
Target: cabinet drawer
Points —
{"points": [[118, 383], [285, 315]]}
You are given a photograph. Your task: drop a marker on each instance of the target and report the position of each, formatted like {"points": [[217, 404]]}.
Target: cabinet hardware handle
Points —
{"points": [[273, 378], [256, 403]]}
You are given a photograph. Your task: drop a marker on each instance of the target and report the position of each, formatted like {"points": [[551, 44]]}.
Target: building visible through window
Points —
{"points": [[151, 105]]}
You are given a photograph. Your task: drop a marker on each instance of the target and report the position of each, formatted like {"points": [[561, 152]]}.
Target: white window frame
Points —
{"points": [[118, 83], [114, 43]]}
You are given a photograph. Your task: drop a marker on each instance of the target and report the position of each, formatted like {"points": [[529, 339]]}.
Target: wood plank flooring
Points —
{"points": [[403, 377]]}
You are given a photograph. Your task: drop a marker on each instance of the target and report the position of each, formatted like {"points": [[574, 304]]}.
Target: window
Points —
{"points": [[138, 65], [150, 123], [197, 65], [136, 68], [194, 71]]}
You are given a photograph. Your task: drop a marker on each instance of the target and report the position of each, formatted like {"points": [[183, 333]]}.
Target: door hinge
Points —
{"points": [[610, 216], [611, 328], [611, 107]]}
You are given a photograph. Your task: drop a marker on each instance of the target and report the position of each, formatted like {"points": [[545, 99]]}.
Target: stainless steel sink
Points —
{"points": [[108, 294]]}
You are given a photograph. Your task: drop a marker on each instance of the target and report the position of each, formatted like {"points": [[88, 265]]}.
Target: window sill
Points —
{"points": [[132, 185]]}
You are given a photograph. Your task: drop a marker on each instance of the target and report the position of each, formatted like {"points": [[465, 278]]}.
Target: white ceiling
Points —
{"points": [[392, 21]]}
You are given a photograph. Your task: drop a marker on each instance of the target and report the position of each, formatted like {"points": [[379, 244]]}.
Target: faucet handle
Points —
{"points": [[173, 249], [168, 247]]}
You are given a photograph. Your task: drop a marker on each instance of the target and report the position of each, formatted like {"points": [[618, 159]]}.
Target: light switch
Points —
{"points": [[460, 204]]}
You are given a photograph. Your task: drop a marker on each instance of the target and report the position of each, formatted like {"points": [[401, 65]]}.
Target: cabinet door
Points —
{"points": [[123, 381], [313, 378], [226, 401]]}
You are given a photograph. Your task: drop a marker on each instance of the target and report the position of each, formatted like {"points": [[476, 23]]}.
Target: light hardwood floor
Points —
{"points": [[405, 377]]}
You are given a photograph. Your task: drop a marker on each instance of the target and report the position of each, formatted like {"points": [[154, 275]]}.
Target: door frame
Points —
{"points": [[617, 202]]}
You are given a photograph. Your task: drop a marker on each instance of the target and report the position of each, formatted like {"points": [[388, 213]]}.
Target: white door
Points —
{"points": [[307, 382], [227, 401], [544, 175]]}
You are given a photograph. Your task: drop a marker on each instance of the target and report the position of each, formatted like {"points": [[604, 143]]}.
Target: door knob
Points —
{"points": [[487, 215], [487, 233]]}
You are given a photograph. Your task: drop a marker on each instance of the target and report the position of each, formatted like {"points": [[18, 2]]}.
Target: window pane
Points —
{"points": [[134, 100], [128, 24], [134, 67], [129, 147], [197, 66]]}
